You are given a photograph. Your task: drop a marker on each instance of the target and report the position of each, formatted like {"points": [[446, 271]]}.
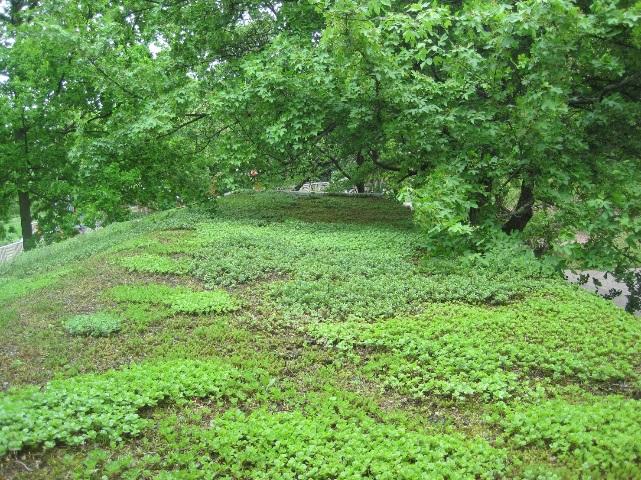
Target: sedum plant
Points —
{"points": [[98, 324]]}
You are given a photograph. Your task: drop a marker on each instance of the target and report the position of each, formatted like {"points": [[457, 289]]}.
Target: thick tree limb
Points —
{"points": [[612, 87], [339, 168], [391, 168], [524, 208]]}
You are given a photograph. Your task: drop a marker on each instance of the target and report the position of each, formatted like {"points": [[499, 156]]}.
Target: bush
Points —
{"points": [[106, 406], [500, 255], [93, 325]]}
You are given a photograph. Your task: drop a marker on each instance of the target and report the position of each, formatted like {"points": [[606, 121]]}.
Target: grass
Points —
{"points": [[11, 288], [276, 336]]}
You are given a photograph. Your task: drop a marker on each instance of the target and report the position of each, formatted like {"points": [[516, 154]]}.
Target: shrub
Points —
{"points": [[106, 406], [92, 325], [501, 256]]}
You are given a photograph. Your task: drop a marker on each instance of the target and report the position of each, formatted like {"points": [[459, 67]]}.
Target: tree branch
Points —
{"points": [[115, 82], [196, 117], [580, 101]]}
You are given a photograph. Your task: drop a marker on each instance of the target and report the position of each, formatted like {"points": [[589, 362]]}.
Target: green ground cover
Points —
{"points": [[274, 336], [96, 324]]}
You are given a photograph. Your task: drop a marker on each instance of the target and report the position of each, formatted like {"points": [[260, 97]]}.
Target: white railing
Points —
{"points": [[314, 187], [9, 252]]}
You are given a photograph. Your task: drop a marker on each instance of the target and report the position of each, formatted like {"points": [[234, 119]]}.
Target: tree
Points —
{"points": [[36, 98], [80, 141], [494, 115], [519, 119]]}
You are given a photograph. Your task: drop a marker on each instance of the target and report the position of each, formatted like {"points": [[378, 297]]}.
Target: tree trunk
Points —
{"points": [[360, 184], [28, 242], [524, 208], [474, 216]]}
